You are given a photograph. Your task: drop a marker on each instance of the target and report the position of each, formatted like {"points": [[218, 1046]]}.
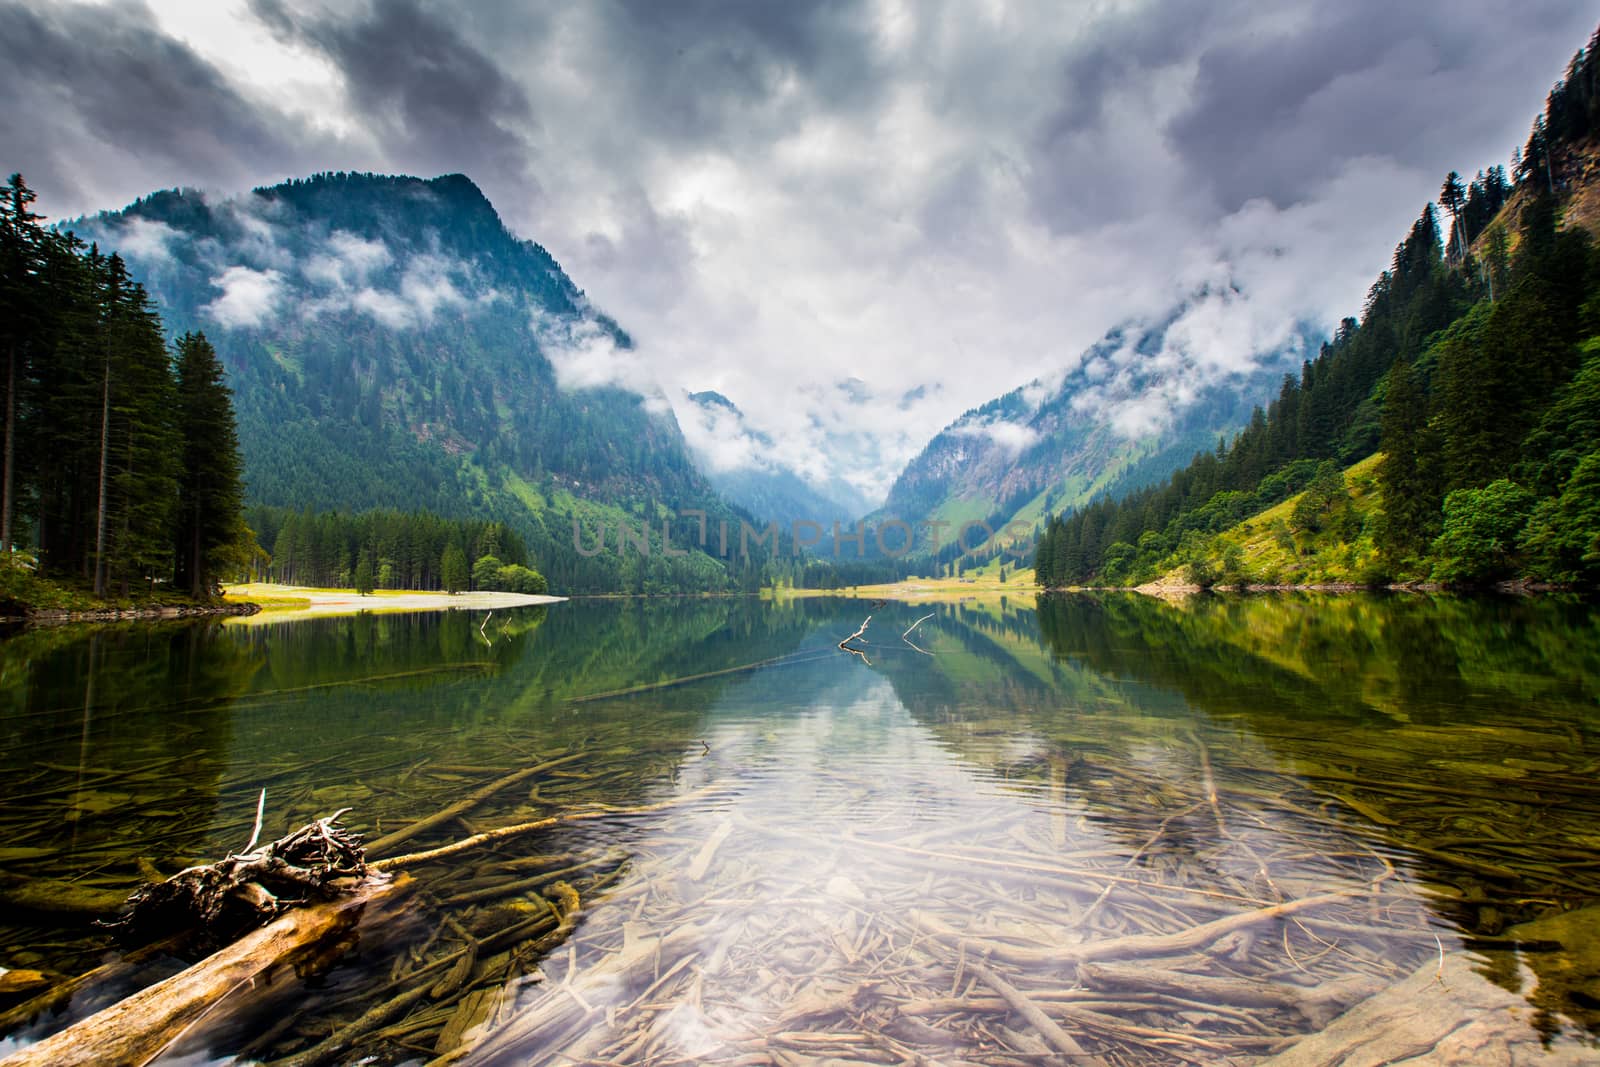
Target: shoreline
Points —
{"points": [[1167, 590], [943, 590], [948, 592], [61, 616], [323, 603]]}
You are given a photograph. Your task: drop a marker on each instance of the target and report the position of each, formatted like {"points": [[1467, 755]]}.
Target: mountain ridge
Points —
{"points": [[1133, 408], [391, 343]]}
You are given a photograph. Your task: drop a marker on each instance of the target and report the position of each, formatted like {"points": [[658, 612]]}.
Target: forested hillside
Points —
{"points": [[1474, 368], [392, 345], [1134, 408], [120, 464], [391, 550]]}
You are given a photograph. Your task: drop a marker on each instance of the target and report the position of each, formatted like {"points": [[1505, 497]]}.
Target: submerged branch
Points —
{"points": [[845, 644], [1132, 946], [670, 683], [468, 802], [414, 859]]}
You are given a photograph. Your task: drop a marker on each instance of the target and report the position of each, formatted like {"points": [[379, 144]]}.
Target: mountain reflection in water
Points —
{"points": [[1106, 828]]}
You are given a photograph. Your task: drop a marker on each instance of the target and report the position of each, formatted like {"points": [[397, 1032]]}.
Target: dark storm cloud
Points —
{"points": [[702, 69], [1279, 99], [430, 98], [97, 96], [1078, 179], [1362, 78], [915, 191]]}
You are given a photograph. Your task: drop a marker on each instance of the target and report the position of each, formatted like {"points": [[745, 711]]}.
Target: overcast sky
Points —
{"points": [[938, 199]]}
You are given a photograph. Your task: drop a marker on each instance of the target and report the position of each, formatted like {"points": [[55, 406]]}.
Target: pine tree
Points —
{"points": [[65, 407], [141, 450], [1471, 400], [1453, 197], [453, 568], [20, 246], [1407, 476], [364, 582], [210, 488]]}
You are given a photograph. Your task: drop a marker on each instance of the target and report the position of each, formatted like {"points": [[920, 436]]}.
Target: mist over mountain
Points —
{"points": [[751, 470], [391, 344], [1136, 406]]}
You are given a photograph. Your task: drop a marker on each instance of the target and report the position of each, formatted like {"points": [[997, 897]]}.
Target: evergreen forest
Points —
{"points": [[1473, 368], [121, 465], [391, 550]]}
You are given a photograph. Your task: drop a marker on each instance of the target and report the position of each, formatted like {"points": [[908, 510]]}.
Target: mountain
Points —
{"points": [[391, 344], [1138, 405], [742, 463], [1470, 386]]}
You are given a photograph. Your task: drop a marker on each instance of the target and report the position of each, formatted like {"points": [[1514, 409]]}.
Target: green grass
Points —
{"points": [[1272, 552], [957, 511], [272, 603], [942, 589]]}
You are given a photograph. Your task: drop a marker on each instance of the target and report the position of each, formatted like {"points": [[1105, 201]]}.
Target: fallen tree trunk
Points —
{"points": [[1318, 1003], [138, 1028], [1132, 946]]}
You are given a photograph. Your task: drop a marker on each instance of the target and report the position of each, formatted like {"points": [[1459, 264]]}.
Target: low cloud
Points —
{"points": [[587, 356], [256, 238], [348, 273], [718, 435], [1220, 339], [1009, 437], [249, 297], [146, 240], [346, 260], [386, 308], [427, 285]]}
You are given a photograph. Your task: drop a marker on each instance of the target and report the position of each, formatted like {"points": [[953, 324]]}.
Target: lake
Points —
{"points": [[1097, 829]]}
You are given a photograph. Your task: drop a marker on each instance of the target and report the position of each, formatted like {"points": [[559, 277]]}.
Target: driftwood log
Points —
{"points": [[326, 859], [138, 1028], [217, 902]]}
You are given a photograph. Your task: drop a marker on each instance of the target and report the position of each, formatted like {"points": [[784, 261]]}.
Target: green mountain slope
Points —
{"points": [[391, 344], [1474, 368], [1138, 405], [1323, 535]]}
